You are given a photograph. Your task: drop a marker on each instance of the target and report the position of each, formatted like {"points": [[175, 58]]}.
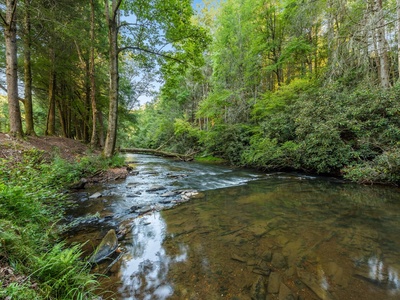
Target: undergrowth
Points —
{"points": [[30, 205]]}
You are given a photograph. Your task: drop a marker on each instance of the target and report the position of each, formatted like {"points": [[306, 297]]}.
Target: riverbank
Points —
{"points": [[34, 264]]}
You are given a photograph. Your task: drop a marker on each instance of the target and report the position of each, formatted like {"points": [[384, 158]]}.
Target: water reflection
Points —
{"points": [[282, 236], [146, 264]]}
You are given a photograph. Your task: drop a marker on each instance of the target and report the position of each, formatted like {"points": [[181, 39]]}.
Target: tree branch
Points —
{"points": [[151, 52], [4, 20], [5, 89], [116, 9]]}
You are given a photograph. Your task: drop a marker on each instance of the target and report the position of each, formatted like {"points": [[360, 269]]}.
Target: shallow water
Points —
{"points": [[249, 236]]}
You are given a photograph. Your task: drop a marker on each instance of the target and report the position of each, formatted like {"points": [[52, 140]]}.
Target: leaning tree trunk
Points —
{"points": [[112, 22], [10, 34], [30, 130]]}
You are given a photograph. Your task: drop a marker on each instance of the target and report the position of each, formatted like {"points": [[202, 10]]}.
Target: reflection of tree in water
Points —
{"points": [[312, 222], [146, 266]]}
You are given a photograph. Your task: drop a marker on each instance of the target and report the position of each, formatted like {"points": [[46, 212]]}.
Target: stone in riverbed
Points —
{"points": [[155, 188], [267, 255], [285, 293], [274, 282], [133, 195], [314, 284], [95, 195], [238, 258], [165, 201], [107, 247], [278, 260], [144, 210], [168, 194], [258, 291]]}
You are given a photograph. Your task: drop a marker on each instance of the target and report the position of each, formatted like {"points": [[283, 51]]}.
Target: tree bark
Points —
{"points": [[112, 22], [382, 45], [10, 34], [185, 157], [51, 115], [94, 138], [29, 130], [398, 38]]}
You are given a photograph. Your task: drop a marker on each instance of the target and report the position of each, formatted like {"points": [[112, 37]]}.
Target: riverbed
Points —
{"points": [[201, 231]]}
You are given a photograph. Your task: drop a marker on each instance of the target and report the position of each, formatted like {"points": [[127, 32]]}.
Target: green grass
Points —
{"points": [[30, 206]]}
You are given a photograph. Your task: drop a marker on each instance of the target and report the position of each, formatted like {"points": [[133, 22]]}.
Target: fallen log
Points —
{"points": [[184, 157]]}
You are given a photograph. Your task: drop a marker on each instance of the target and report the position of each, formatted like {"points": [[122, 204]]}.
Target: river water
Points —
{"points": [[246, 235]]}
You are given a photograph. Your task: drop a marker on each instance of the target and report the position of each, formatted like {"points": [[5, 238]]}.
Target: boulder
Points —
{"points": [[108, 246]]}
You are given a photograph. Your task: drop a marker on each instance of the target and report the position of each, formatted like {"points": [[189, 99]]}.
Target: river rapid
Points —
{"points": [[242, 235]]}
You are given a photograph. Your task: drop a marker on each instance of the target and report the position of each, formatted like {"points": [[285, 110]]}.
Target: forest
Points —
{"points": [[311, 86], [307, 85]]}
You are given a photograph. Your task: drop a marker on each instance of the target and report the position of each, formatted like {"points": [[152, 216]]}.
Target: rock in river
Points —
{"points": [[155, 188], [107, 247], [95, 195]]}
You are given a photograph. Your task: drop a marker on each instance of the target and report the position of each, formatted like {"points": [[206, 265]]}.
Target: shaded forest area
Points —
{"points": [[77, 68]]}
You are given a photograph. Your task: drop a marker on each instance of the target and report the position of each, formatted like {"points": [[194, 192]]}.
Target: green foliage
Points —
{"points": [[210, 159], [274, 102], [30, 206], [284, 88], [63, 274], [226, 141], [19, 291], [384, 168], [268, 154]]}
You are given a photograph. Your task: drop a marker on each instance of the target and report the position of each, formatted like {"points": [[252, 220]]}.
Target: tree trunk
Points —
{"points": [[112, 22], [185, 157], [94, 138], [382, 45], [10, 34], [30, 130], [398, 38], [51, 115]]}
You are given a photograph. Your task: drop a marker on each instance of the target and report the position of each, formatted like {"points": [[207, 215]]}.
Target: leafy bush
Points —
{"points": [[227, 141], [382, 169]]}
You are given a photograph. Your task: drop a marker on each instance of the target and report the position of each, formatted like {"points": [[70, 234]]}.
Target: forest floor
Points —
{"points": [[12, 149]]}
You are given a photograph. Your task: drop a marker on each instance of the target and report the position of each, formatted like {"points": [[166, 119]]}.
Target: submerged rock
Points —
{"points": [[278, 261], [108, 246], [258, 291], [314, 284], [274, 283]]}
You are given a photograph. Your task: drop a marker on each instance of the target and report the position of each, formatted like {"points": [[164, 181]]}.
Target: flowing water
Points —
{"points": [[246, 235]]}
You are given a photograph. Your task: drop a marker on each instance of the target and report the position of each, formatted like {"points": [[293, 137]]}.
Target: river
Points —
{"points": [[245, 235]]}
